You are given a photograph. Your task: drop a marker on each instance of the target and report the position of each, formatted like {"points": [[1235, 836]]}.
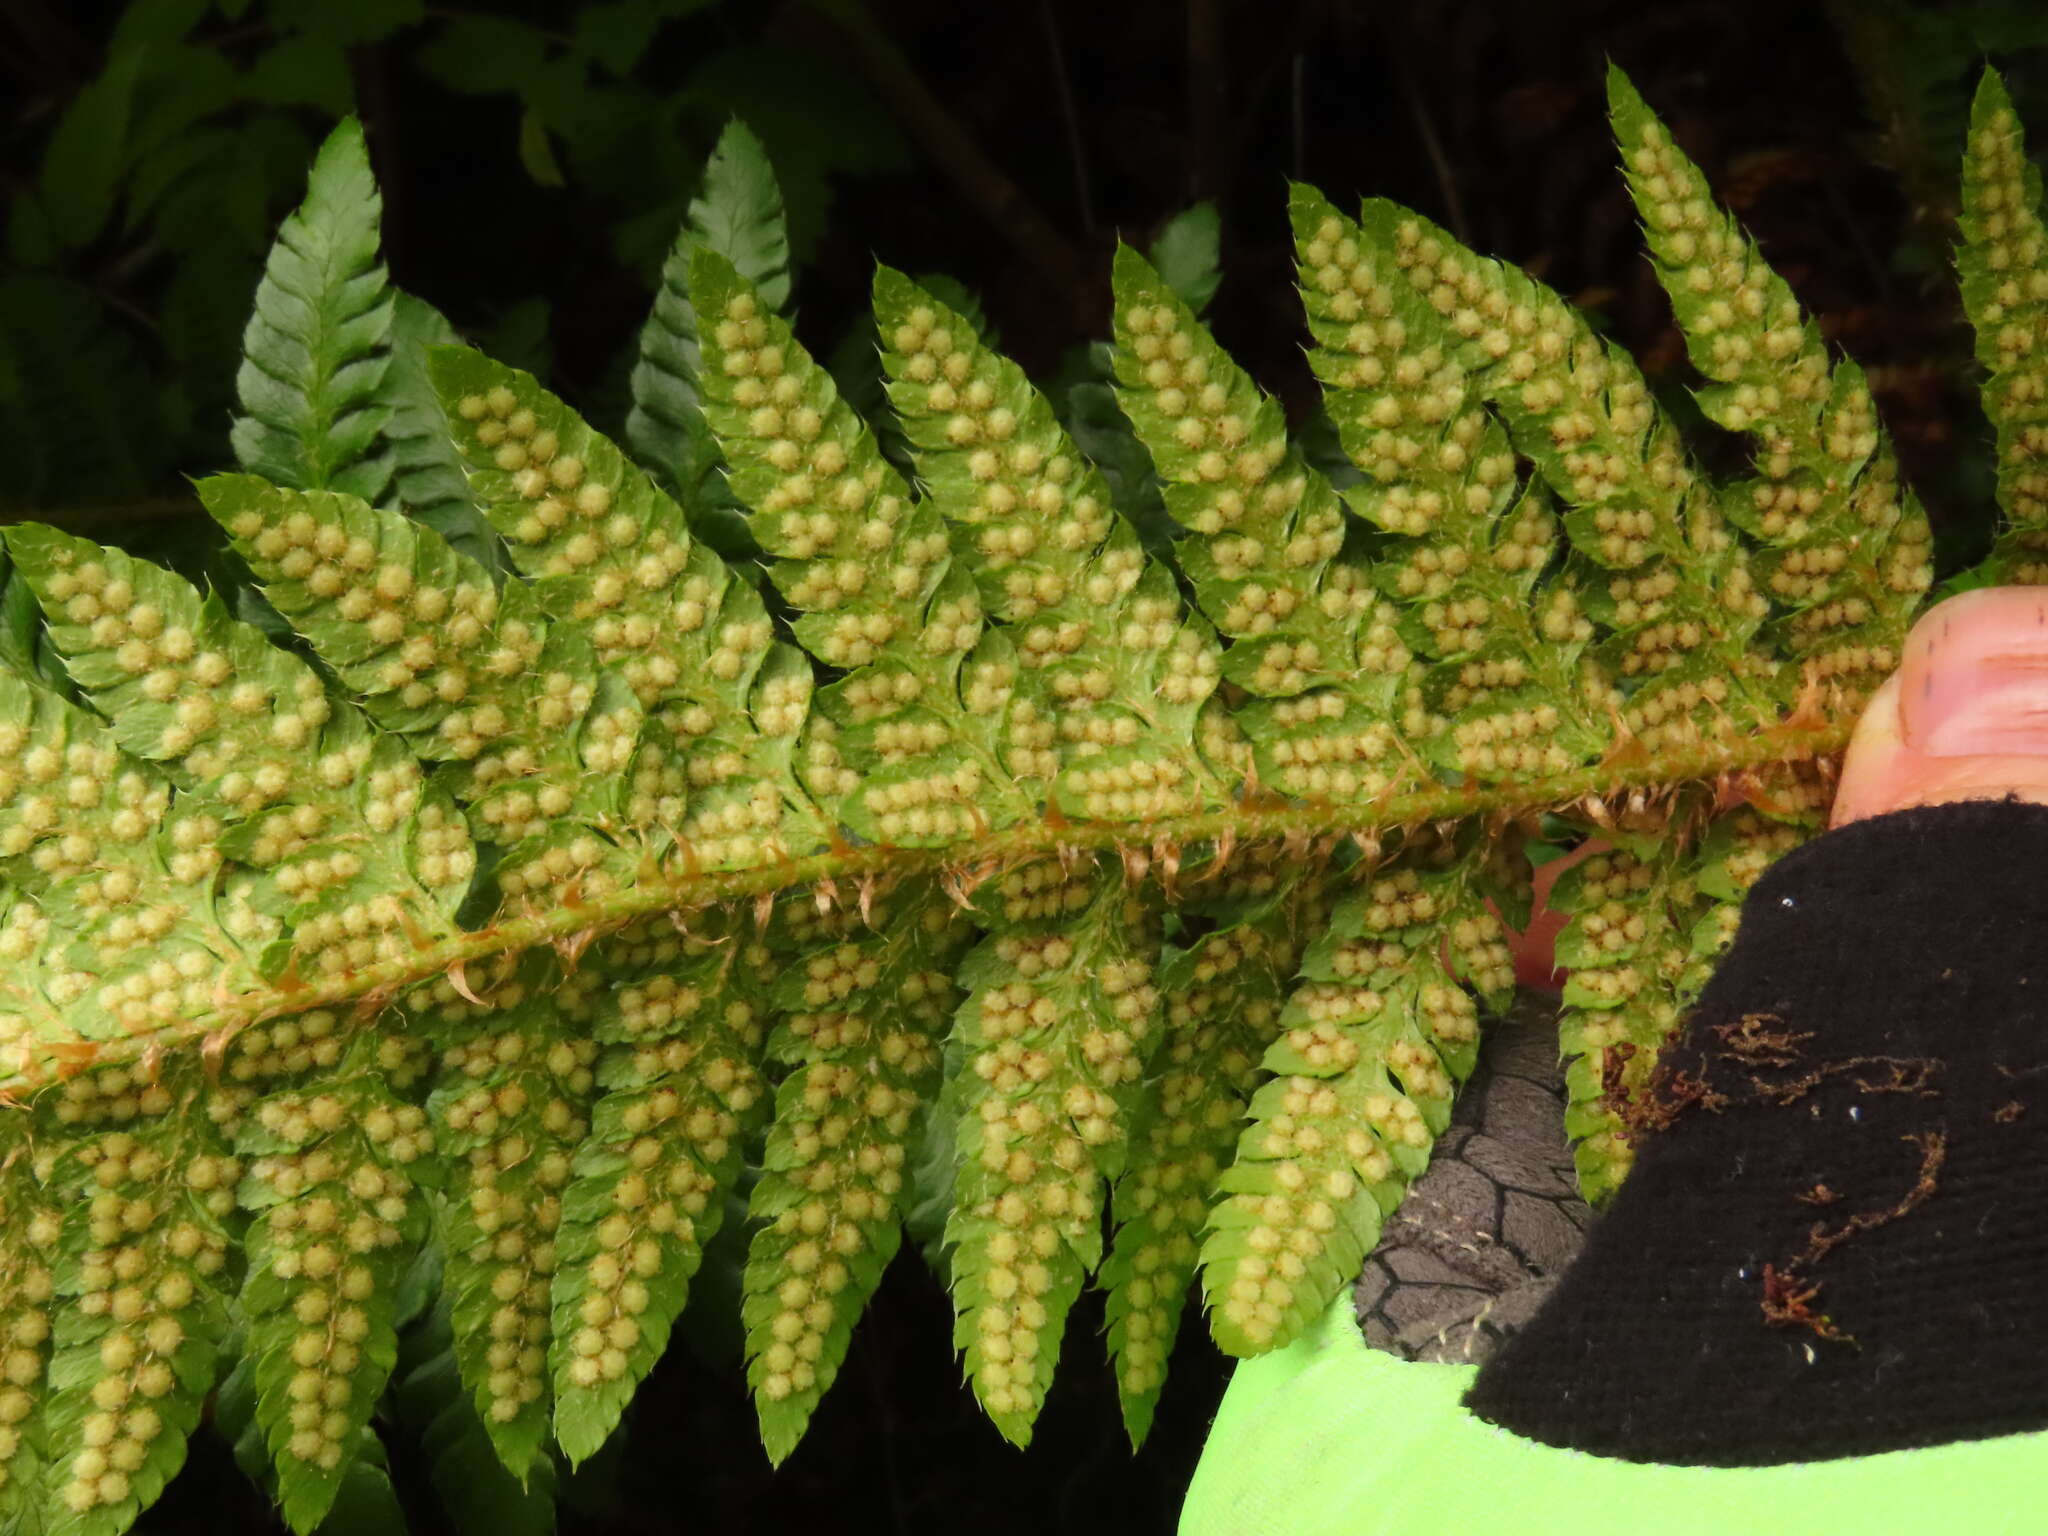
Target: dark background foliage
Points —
{"points": [[536, 161]]}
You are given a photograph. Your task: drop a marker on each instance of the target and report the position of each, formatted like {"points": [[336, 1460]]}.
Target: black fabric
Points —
{"points": [[1835, 1239]]}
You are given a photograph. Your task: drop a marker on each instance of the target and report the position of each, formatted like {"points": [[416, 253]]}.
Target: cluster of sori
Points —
{"points": [[120, 1276], [863, 1024], [2003, 262], [1223, 998], [1844, 554], [1368, 1046]]}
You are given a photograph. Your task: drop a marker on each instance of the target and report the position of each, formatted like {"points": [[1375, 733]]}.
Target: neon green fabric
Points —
{"points": [[1329, 1437]]}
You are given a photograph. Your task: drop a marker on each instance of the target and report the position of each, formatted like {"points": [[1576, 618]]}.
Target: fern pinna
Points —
{"points": [[872, 826]]}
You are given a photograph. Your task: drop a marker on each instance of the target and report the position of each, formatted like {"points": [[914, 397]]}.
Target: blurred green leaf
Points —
{"points": [[302, 71], [480, 55], [537, 152], [31, 240], [81, 421], [521, 336], [347, 25], [145, 23], [1188, 254], [82, 167], [616, 33]]}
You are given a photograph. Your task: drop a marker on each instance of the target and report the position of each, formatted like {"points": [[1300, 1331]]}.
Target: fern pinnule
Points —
{"points": [[332, 1181], [510, 1110], [737, 213], [863, 1024], [684, 1018], [427, 482], [1372, 1041], [2003, 266], [144, 1183], [316, 348], [1507, 692], [1847, 553], [1222, 996]]}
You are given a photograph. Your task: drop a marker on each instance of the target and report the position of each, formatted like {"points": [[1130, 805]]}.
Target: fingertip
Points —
{"points": [[1877, 760]]}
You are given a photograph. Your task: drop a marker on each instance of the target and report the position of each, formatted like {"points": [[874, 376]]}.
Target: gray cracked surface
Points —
{"points": [[1485, 1233]]}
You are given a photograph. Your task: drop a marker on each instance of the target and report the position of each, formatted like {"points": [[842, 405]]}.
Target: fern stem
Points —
{"points": [[569, 926]]}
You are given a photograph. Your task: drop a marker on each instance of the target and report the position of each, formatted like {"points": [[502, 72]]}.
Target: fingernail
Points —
{"points": [[1975, 678]]}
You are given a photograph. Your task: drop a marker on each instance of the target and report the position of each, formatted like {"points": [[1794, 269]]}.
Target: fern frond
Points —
{"points": [[490, 943], [685, 1021], [332, 1158], [2003, 266], [315, 352], [1632, 910], [510, 1112], [143, 1182]]}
